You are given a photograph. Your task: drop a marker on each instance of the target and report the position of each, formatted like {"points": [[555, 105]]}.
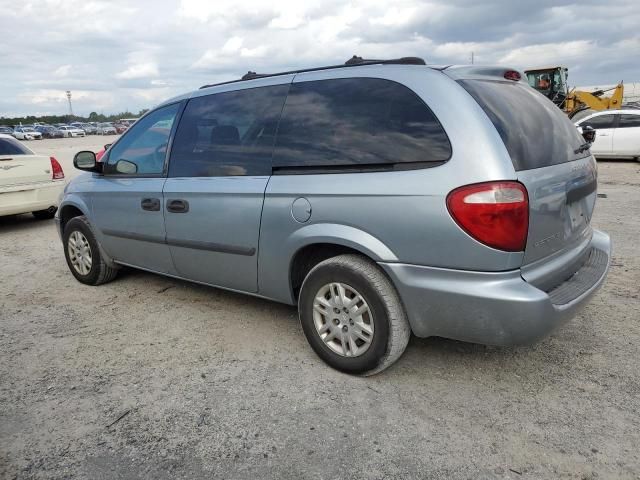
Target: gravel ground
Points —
{"points": [[148, 377]]}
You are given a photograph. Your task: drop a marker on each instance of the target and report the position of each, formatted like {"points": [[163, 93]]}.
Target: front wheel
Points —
{"points": [[352, 315], [83, 254]]}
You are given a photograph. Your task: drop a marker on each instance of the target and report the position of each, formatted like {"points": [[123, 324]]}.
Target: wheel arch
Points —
{"points": [[70, 208], [315, 243]]}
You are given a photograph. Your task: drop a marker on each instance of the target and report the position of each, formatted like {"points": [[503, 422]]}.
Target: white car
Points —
{"points": [[617, 133], [26, 133], [28, 182], [70, 131]]}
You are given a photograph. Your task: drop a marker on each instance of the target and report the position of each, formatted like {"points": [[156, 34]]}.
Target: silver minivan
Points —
{"points": [[383, 198]]}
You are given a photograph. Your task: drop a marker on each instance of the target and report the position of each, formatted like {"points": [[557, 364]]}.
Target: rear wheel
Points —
{"points": [[47, 214], [83, 254], [352, 315]]}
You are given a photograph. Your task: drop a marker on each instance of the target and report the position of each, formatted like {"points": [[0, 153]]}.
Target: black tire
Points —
{"points": [[47, 214], [391, 327], [99, 272]]}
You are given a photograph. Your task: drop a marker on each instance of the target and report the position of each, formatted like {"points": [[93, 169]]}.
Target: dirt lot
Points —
{"points": [[148, 377]]}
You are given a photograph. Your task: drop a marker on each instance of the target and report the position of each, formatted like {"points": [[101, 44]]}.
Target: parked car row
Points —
{"points": [[60, 130]]}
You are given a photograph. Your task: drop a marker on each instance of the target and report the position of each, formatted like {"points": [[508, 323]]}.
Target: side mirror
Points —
{"points": [[86, 160], [126, 167], [589, 134]]}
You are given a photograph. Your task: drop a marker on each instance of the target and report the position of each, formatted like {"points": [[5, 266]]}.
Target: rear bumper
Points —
{"points": [[31, 199], [495, 308]]}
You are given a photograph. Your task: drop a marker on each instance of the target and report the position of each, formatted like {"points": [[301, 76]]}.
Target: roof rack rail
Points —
{"points": [[354, 61], [251, 75]]}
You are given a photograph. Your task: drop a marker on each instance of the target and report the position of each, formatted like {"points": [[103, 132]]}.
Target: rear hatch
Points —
{"points": [[551, 161], [20, 166]]}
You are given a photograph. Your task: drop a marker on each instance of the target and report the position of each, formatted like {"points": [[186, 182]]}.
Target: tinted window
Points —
{"points": [[534, 130], [628, 121], [229, 133], [144, 145], [10, 146], [357, 122], [601, 121]]}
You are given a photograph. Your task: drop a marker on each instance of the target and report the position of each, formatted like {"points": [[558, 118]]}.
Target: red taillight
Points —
{"points": [[56, 168], [512, 75], [494, 213]]}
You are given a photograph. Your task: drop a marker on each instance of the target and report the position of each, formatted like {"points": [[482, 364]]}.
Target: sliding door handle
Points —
{"points": [[150, 204], [177, 206]]}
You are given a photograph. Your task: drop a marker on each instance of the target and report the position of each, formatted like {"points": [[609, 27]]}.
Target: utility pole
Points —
{"points": [[70, 107], [471, 58]]}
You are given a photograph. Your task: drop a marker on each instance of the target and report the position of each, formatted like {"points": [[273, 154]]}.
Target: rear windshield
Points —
{"points": [[534, 130], [10, 146]]}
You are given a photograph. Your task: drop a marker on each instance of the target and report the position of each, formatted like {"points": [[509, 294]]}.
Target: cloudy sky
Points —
{"points": [[116, 55]]}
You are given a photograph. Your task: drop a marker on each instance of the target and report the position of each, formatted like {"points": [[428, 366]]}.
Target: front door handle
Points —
{"points": [[177, 206], [150, 204]]}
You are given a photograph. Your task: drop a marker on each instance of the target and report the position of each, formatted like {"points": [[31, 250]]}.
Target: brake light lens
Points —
{"points": [[512, 75], [494, 213], [56, 168]]}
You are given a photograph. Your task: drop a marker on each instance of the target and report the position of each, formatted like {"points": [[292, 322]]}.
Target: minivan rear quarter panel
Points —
{"points": [[404, 210]]}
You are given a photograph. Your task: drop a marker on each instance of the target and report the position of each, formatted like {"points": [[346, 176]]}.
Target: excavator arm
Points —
{"points": [[579, 100]]}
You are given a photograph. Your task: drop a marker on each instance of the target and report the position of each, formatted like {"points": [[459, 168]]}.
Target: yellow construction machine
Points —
{"points": [[552, 82]]}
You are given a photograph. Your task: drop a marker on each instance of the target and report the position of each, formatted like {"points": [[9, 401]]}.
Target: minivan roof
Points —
{"points": [[354, 61], [455, 72]]}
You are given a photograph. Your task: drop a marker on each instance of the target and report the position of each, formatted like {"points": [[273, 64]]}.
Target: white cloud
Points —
{"points": [[62, 71], [232, 45], [288, 19], [549, 54], [140, 70], [229, 54], [394, 17]]}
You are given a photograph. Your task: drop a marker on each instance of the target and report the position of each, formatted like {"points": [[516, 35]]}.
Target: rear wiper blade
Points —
{"points": [[585, 146]]}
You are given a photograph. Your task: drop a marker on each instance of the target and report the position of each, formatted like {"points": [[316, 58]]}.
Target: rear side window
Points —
{"points": [[357, 123], [10, 146], [228, 134], [628, 121], [534, 130], [601, 121]]}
